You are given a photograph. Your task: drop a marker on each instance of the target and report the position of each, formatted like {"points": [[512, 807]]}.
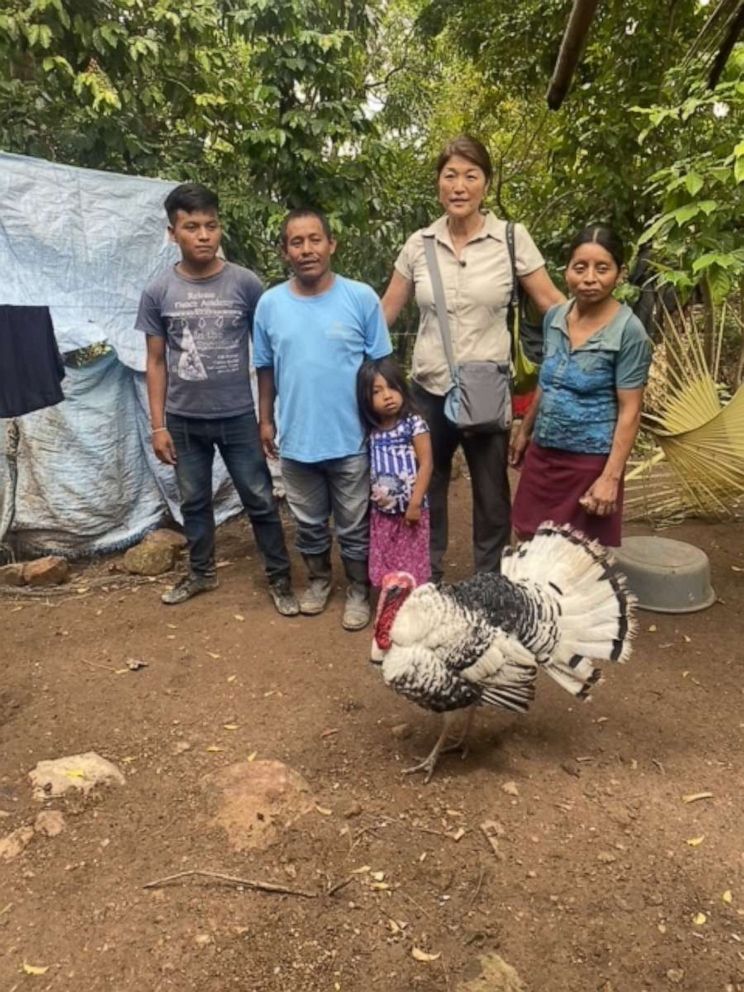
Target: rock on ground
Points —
{"points": [[81, 772], [493, 975], [13, 845], [49, 822], [253, 801], [163, 535], [150, 558], [11, 575], [49, 571]]}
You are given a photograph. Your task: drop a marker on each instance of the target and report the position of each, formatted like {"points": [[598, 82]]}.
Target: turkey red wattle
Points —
{"points": [[396, 588]]}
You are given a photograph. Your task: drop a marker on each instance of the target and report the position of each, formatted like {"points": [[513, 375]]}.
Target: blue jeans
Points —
{"points": [[236, 439], [338, 486]]}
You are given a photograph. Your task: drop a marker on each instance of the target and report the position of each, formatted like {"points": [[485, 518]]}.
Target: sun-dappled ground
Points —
{"points": [[599, 876]]}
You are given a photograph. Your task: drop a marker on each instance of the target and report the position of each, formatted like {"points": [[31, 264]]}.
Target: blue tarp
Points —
{"points": [[84, 243]]}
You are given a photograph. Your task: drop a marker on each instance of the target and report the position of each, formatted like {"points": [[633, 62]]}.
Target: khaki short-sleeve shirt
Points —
{"points": [[477, 287]]}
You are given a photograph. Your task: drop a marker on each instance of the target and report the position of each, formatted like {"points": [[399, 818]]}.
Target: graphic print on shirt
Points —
{"points": [[199, 347], [190, 365], [393, 467]]}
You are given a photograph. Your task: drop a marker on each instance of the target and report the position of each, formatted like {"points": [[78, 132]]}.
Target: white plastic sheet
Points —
{"points": [[85, 243]]}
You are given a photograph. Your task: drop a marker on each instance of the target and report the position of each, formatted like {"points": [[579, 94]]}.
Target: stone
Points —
{"points": [[493, 974], [401, 731], [255, 801], [150, 558], [675, 975], [355, 809], [14, 844], [76, 772], [163, 535], [49, 822], [49, 571], [11, 575]]}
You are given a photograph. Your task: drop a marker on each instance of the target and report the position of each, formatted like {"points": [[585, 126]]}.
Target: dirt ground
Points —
{"points": [[603, 878]]}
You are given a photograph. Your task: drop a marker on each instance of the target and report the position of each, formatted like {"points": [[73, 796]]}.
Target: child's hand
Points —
{"points": [[413, 514]]}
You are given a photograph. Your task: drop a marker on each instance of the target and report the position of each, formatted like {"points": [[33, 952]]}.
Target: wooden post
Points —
{"points": [[574, 40]]}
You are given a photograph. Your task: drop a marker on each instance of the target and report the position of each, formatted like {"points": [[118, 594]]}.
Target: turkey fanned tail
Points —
{"points": [[592, 606]]}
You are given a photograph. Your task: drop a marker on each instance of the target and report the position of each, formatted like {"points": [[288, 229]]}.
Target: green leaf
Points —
{"points": [[682, 215], [693, 182]]}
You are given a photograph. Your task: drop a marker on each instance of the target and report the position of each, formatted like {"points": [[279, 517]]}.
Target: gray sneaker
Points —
{"points": [[190, 585], [284, 599]]}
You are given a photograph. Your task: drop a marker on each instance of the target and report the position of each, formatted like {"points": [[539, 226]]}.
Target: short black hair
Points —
{"points": [[392, 373], [190, 197], [304, 212], [602, 235]]}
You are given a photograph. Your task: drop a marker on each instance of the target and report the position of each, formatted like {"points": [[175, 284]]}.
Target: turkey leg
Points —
{"points": [[441, 747]]}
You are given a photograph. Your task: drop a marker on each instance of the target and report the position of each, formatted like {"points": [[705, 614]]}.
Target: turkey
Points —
{"points": [[559, 604]]}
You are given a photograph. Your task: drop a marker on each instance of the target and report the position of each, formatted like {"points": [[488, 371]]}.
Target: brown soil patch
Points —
{"points": [[595, 887]]}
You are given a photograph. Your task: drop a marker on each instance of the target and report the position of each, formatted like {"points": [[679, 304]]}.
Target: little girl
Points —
{"points": [[400, 469]]}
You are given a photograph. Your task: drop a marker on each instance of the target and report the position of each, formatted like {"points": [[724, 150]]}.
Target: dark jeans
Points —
{"points": [[487, 458], [236, 439]]}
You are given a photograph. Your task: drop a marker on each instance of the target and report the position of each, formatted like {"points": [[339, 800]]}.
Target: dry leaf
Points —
{"points": [[230, 726], [75, 773], [510, 788], [378, 875], [380, 886], [172, 626], [330, 732], [252, 756], [35, 969], [420, 955], [239, 616], [652, 628], [212, 654], [695, 796], [360, 871], [231, 678], [214, 749], [323, 810], [735, 568], [727, 896], [688, 640], [699, 919], [457, 835], [696, 841]]}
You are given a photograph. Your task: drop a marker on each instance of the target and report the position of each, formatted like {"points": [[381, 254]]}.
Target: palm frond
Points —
{"points": [[698, 465]]}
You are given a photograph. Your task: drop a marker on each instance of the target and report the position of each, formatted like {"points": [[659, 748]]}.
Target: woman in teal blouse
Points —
{"points": [[580, 430]]}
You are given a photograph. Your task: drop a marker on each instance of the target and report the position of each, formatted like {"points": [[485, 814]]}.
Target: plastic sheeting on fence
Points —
{"points": [[85, 243]]}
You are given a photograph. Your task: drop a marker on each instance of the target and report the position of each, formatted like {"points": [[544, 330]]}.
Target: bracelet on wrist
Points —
{"points": [[154, 430]]}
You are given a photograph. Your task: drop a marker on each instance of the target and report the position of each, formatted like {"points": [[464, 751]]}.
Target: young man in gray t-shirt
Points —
{"points": [[198, 318]]}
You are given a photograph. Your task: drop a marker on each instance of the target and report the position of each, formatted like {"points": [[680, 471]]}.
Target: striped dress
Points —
{"points": [[396, 545]]}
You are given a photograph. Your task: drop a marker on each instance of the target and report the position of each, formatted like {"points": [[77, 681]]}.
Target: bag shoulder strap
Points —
{"points": [[440, 303], [511, 309]]}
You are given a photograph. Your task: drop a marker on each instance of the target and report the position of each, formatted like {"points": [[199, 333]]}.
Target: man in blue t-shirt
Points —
{"points": [[311, 334], [198, 318]]}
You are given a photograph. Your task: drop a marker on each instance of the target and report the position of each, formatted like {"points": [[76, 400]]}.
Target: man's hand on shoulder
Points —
{"points": [[163, 446], [267, 434]]}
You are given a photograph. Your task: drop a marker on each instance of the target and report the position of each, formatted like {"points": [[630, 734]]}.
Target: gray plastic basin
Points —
{"points": [[667, 576]]}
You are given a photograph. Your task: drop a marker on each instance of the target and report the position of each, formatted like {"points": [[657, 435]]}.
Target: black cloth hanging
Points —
{"points": [[31, 366]]}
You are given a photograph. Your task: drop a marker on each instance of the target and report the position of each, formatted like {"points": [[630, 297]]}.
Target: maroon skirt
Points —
{"points": [[550, 487]]}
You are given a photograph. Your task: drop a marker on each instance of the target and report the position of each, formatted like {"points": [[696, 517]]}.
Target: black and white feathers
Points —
{"points": [[559, 604]]}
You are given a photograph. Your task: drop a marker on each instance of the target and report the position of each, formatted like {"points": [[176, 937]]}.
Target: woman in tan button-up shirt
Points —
{"points": [[476, 273]]}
